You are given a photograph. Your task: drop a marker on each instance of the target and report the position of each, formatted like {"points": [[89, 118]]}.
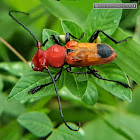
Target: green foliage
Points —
{"points": [[102, 19], [32, 79], [127, 56], [99, 105], [36, 122], [63, 134]]}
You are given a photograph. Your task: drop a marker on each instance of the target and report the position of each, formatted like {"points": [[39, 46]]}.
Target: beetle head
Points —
{"points": [[39, 59]]}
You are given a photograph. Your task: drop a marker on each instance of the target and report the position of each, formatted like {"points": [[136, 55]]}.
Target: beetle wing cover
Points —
{"points": [[84, 54]]}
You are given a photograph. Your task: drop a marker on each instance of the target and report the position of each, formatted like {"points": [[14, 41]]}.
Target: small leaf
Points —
{"points": [[90, 96], [71, 27], [47, 35], [77, 88], [36, 122], [63, 133], [112, 71]]}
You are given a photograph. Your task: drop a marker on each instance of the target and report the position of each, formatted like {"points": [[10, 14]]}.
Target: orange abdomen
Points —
{"points": [[86, 54]]}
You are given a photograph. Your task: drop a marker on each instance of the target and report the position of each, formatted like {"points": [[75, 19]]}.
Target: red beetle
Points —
{"points": [[73, 54]]}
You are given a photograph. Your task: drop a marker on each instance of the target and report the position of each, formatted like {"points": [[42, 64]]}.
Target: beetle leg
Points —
{"points": [[94, 73], [35, 89], [69, 70], [69, 34], [43, 44], [96, 33], [55, 39]]}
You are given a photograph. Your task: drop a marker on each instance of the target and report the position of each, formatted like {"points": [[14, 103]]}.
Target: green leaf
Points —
{"points": [[76, 87], [63, 133], [36, 122], [81, 5], [64, 11], [1, 84], [71, 27], [99, 130], [104, 97], [113, 72], [14, 68], [129, 18], [32, 79], [47, 34], [25, 5], [102, 19], [127, 55], [12, 108], [134, 106], [120, 122], [90, 96], [11, 131], [2, 103]]}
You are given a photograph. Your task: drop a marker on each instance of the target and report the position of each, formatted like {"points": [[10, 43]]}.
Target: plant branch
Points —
{"points": [[14, 51]]}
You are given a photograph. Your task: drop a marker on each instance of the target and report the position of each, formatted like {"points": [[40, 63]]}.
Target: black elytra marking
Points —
{"points": [[104, 50], [69, 50]]}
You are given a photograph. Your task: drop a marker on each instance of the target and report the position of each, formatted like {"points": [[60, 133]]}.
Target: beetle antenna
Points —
{"points": [[60, 103], [21, 23]]}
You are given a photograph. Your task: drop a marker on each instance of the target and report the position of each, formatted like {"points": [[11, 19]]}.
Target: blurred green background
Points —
{"points": [[110, 118]]}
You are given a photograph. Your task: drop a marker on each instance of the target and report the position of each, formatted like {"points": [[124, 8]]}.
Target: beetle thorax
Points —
{"points": [[56, 56]]}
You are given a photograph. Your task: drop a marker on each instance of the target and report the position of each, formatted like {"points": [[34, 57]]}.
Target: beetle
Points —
{"points": [[74, 54]]}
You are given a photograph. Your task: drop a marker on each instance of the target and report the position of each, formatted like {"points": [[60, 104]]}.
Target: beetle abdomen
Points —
{"points": [[104, 50], [86, 54]]}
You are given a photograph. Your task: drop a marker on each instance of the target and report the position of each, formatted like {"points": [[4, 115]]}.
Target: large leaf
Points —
{"points": [[64, 11], [36, 122], [134, 106], [128, 54], [113, 72], [102, 19], [63, 133], [30, 80], [99, 130], [125, 124]]}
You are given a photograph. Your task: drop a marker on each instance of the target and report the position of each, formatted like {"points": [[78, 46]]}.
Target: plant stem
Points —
{"points": [[14, 51]]}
